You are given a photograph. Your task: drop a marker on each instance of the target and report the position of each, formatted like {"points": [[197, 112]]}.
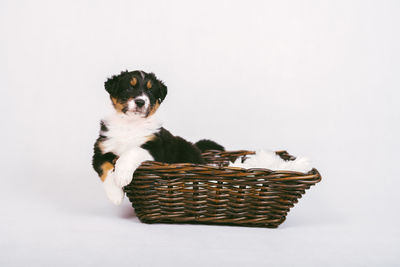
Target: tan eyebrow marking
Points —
{"points": [[133, 81], [149, 85]]}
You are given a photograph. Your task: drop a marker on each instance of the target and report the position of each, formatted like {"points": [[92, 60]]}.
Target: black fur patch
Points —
{"points": [[206, 144], [99, 158], [103, 127], [172, 149]]}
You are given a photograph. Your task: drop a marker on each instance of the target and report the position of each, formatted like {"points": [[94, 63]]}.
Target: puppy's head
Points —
{"points": [[136, 93]]}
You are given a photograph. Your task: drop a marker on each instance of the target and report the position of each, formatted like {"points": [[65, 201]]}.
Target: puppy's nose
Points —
{"points": [[139, 102]]}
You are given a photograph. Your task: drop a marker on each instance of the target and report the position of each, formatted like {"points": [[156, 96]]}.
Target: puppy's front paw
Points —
{"points": [[123, 174], [127, 164], [114, 193]]}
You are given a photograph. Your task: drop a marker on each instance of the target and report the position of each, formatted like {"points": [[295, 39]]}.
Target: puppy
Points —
{"points": [[133, 134]]}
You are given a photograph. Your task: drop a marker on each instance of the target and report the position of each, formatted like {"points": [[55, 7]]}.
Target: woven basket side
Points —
{"points": [[190, 193]]}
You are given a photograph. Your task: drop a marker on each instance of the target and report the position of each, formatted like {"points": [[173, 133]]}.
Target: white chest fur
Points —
{"points": [[126, 133]]}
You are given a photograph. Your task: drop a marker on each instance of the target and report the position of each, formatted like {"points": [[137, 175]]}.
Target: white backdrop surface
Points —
{"points": [[317, 78]]}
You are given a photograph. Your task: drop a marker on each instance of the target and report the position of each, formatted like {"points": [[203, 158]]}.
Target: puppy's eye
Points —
{"points": [[149, 84]]}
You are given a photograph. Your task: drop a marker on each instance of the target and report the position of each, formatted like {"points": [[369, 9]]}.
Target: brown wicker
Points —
{"points": [[215, 193]]}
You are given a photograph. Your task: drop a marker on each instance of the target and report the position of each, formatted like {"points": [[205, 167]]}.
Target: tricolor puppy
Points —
{"points": [[133, 134]]}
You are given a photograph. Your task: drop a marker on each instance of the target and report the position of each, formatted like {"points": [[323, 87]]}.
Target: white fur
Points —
{"points": [[127, 163], [269, 160], [127, 132], [124, 137], [114, 193], [132, 105]]}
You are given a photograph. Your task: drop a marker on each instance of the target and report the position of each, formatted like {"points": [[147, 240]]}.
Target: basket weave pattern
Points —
{"points": [[215, 193]]}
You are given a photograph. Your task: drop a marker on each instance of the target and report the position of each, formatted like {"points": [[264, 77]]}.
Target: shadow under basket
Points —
{"points": [[216, 194]]}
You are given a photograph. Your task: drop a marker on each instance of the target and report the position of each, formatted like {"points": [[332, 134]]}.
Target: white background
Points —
{"points": [[317, 78]]}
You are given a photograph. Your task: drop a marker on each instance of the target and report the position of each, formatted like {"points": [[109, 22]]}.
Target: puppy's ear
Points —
{"points": [[111, 85], [162, 91]]}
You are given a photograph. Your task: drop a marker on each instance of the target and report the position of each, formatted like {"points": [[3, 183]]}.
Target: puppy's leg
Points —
{"points": [[127, 163], [104, 166], [114, 193]]}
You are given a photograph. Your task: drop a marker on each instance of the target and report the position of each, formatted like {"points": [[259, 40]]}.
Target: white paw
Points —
{"points": [[114, 193], [123, 174], [127, 164]]}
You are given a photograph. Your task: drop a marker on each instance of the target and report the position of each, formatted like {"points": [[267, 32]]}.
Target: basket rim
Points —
{"points": [[312, 174]]}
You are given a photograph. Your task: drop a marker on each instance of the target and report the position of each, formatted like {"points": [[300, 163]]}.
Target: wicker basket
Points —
{"points": [[215, 193]]}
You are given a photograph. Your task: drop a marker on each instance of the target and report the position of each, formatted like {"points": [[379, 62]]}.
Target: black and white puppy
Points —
{"points": [[133, 134]]}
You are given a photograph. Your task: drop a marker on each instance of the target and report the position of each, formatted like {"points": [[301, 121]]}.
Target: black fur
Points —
{"points": [[103, 127], [206, 144], [172, 149], [99, 158]]}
